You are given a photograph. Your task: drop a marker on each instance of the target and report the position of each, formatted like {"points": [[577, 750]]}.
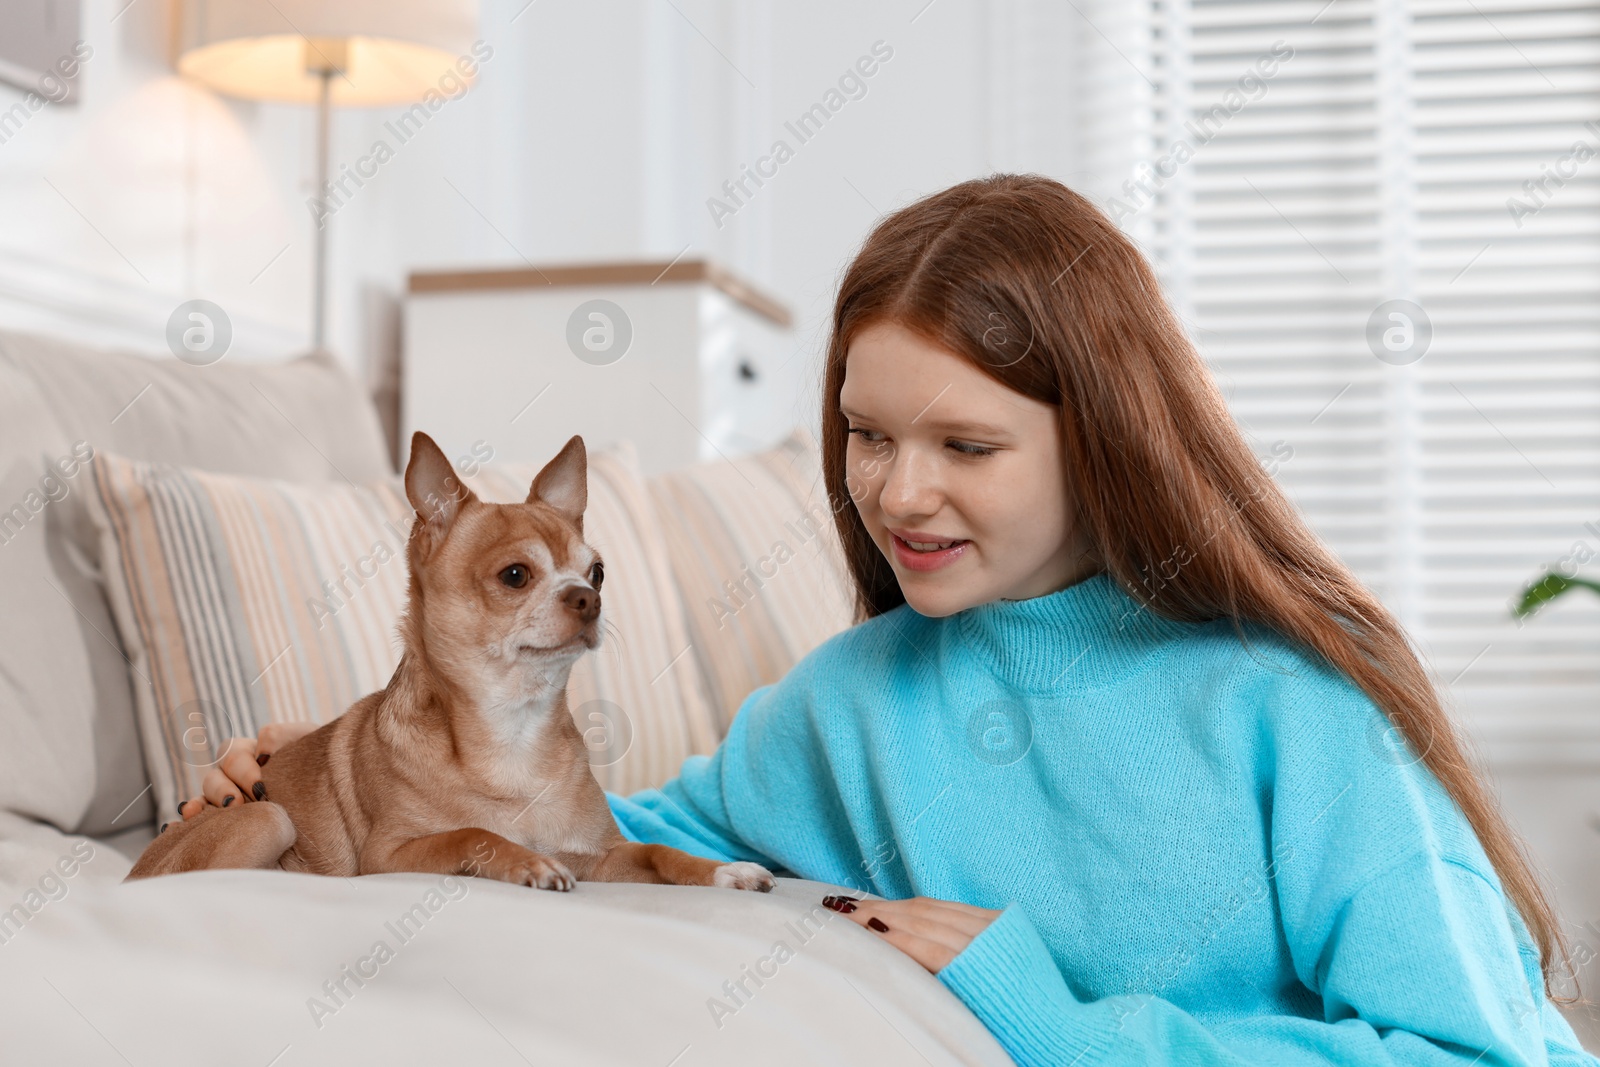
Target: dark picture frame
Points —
{"points": [[37, 39]]}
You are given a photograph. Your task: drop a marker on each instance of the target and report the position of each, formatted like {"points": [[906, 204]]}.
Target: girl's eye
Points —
{"points": [[516, 576], [865, 434], [597, 574], [970, 450]]}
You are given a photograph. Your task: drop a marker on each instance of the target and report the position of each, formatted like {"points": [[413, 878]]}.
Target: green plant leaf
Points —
{"points": [[1546, 589]]}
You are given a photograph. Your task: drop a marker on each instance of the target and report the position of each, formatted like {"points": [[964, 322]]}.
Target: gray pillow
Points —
{"points": [[69, 748]]}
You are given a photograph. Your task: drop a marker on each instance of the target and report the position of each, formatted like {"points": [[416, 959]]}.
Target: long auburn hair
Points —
{"points": [[1031, 283]]}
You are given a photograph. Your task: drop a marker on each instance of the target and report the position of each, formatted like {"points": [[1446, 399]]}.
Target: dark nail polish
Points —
{"points": [[261, 761], [260, 790], [878, 925], [163, 828], [843, 905], [227, 800]]}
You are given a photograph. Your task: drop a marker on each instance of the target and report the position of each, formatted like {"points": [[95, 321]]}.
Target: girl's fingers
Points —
{"points": [[241, 766], [220, 790], [969, 920], [932, 932], [275, 735], [234, 778], [932, 952], [988, 915], [937, 928]]}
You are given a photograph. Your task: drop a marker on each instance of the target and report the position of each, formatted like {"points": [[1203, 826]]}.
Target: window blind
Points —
{"points": [[1380, 222]]}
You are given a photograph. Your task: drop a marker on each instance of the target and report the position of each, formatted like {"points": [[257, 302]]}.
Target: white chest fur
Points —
{"points": [[529, 759]]}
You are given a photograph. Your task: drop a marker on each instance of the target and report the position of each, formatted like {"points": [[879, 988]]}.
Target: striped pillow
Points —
{"points": [[758, 561], [245, 601]]}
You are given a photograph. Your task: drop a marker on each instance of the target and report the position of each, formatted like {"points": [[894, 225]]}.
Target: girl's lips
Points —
{"points": [[913, 560]]}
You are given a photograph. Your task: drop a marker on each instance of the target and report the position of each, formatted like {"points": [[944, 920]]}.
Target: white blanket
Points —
{"points": [[246, 968]]}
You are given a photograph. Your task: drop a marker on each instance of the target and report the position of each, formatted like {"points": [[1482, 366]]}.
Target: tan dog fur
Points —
{"points": [[468, 761]]}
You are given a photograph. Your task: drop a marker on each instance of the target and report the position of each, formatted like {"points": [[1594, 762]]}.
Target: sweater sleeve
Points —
{"points": [[770, 793], [690, 812], [687, 813], [1420, 966], [767, 794]]}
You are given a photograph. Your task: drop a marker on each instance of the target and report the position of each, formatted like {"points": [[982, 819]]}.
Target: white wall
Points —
{"points": [[149, 192], [601, 131], [597, 131]]}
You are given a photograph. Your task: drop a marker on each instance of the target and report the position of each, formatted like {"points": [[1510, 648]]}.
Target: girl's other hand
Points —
{"points": [[236, 778], [932, 932]]}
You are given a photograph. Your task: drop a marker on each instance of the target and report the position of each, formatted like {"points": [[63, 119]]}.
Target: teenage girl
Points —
{"points": [[1142, 773]]}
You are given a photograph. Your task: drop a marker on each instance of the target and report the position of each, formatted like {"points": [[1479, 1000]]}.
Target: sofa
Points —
{"points": [[268, 966]]}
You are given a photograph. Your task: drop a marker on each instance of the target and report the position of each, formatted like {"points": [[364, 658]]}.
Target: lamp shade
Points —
{"points": [[383, 51]]}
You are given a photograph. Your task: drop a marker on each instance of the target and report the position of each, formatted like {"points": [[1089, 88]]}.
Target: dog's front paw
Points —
{"points": [[541, 873], [750, 876]]}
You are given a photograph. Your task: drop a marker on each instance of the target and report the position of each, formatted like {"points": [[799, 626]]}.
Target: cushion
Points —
{"points": [[68, 744], [245, 601], [757, 558]]}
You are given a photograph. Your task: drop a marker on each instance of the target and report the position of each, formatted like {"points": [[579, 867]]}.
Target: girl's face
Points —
{"points": [[959, 480]]}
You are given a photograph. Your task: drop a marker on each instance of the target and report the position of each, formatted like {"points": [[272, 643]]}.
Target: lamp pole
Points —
{"points": [[319, 300], [324, 57]]}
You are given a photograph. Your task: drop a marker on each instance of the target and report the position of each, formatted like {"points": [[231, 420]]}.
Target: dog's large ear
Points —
{"points": [[432, 485], [564, 482]]}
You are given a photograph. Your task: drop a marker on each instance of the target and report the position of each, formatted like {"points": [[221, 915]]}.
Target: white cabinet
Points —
{"points": [[684, 359]]}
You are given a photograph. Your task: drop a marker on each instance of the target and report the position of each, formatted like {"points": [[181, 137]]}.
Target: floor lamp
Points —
{"points": [[332, 53]]}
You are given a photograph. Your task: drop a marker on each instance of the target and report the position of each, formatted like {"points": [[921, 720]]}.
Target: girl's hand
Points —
{"points": [[930, 931], [237, 774]]}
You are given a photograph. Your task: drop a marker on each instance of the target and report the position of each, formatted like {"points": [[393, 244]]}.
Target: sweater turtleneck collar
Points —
{"points": [[1088, 635]]}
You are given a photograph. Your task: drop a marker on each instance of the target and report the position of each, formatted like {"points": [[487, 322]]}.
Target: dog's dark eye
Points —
{"points": [[597, 574], [516, 576]]}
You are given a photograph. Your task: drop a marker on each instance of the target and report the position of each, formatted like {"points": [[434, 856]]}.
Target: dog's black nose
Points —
{"points": [[582, 601]]}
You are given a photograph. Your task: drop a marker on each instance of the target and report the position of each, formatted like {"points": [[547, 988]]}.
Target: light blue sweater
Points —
{"points": [[1206, 853]]}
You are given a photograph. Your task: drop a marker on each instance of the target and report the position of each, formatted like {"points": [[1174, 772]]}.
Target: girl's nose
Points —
{"points": [[910, 486]]}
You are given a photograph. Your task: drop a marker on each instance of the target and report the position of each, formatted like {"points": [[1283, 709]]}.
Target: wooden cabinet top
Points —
{"points": [[630, 273]]}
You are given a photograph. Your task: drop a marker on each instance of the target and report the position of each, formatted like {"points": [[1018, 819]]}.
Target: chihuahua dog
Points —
{"points": [[468, 761]]}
